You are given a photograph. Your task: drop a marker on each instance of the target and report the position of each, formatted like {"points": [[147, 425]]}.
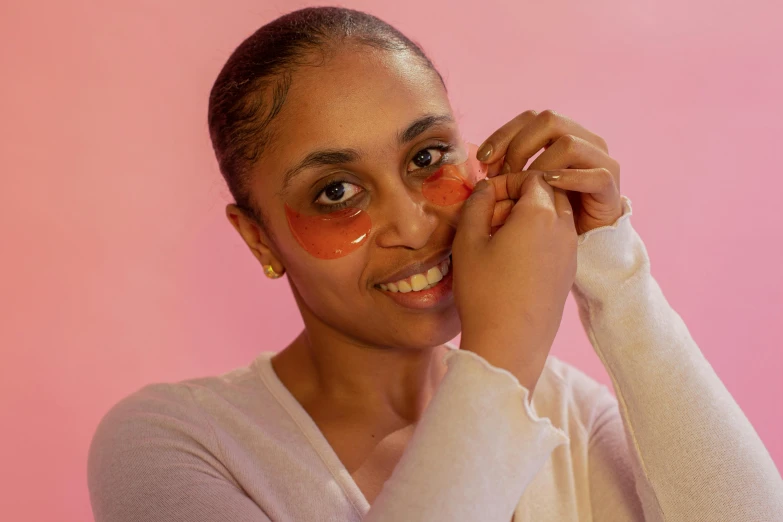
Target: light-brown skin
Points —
{"points": [[364, 367]]}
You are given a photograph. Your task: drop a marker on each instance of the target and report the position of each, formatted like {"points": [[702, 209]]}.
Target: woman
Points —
{"points": [[336, 137]]}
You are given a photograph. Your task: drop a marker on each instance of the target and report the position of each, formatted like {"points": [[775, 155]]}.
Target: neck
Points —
{"points": [[324, 368]]}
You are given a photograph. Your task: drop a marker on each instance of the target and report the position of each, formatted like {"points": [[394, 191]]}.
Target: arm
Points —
{"points": [[146, 464], [694, 454], [477, 447], [612, 484]]}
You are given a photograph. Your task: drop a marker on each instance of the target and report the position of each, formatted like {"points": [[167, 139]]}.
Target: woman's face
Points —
{"points": [[363, 132]]}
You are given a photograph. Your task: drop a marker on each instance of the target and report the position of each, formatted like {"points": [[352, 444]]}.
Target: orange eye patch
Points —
{"points": [[447, 186], [330, 236], [337, 234]]}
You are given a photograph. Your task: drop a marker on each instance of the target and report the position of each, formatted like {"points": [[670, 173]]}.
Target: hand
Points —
{"points": [[511, 287], [574, 158]]}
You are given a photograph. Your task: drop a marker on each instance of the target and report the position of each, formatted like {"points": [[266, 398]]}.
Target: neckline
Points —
{"points": [[312, 433]]}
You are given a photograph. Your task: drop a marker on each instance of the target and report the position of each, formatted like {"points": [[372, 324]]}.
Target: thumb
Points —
{"points": [[475, 220]]}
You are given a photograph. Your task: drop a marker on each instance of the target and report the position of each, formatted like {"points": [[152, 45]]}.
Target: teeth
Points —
{"points": [[434, 275], [419, 282]]}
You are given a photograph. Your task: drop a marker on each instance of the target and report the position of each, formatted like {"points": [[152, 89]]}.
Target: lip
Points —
{"points": [[438, 296], [419, 267]]}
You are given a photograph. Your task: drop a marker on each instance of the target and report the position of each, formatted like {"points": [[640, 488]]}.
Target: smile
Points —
{"points": [[421, 281]]}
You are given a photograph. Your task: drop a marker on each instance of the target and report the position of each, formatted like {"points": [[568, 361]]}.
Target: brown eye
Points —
{"points": [[337, 192], [425, 158]]}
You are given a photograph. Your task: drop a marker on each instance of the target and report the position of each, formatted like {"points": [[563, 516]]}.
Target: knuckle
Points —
{"points": [[569, 142], [607, 178], [548, 116], [526, 115]]}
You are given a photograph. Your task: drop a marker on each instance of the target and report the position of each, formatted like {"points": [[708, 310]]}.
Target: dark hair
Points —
{"points": [[252, 86]]}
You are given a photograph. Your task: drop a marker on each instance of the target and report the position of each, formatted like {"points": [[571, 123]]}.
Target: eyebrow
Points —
{"points": [[422, 125], [319, 158], [326, 157]]}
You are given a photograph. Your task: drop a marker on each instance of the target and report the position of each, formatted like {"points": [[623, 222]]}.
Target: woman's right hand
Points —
{"points": [[510, 286]]}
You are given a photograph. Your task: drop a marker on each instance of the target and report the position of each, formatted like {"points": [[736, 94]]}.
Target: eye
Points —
{"points": [[337, 192], [425, 158]]}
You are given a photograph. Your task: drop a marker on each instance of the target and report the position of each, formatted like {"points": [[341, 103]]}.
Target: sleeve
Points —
{"points": [[693, 453], [612, 492], [148, 461], [476, 448]]}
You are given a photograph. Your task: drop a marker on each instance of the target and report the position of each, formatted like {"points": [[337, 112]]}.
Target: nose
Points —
{"points": [[407, 220]]}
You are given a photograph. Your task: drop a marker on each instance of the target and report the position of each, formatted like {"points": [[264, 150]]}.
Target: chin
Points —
{"points": [[428, 333]]}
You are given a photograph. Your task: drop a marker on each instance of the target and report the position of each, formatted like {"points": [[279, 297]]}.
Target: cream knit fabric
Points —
{"points": [[238, 447]]}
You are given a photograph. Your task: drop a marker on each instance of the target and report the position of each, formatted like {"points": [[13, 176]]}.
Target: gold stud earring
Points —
{"points": [[270, 272]]}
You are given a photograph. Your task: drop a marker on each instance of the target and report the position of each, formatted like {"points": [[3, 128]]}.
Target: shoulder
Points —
{"points": [[570, 398], [162, 419], [151, 407], [176, 409], [165, 434], [166, 442], [150, 423]]}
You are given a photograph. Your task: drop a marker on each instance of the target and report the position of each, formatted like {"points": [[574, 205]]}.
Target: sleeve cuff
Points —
{"points": [[477, 369], [627, 212], [607, 258]]}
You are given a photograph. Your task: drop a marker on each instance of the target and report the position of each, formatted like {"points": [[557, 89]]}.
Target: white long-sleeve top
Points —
{"points": [[673, 446]]}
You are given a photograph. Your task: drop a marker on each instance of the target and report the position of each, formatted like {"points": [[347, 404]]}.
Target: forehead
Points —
{"points": [[359, 98]]}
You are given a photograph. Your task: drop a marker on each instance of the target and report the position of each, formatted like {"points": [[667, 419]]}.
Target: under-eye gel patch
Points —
{"points": [[338, 233]]}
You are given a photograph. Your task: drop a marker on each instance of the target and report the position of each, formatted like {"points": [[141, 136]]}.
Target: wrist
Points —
{"points": [[525, 360]]}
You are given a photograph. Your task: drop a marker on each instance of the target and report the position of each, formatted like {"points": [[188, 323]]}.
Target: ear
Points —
{"points": [[254, 236]]}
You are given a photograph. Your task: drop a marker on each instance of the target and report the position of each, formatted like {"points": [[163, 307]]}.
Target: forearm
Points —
{"points": [[475, 450], [692, 445], [524, 357]]}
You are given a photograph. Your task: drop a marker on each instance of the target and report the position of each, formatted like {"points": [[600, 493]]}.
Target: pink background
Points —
{"points": [[119, 267]]}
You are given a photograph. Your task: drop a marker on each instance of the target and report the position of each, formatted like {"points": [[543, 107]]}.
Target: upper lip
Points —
{"points": [[417, 267]]}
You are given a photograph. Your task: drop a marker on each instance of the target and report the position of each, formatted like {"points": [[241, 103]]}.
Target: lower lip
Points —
{"points": [[424, 299]]}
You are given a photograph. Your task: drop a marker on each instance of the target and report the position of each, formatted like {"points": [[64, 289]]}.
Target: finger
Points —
{"points": [[493, 169], [475, 219], [501, 212], [509, 186], [535, 192], [485, 169], [563, 206], [543, 131], [503, 208], [495, 146], [573, 152], [599, 183]]}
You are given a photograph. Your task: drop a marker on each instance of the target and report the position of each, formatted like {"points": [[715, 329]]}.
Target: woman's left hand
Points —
{"points": [[575, 160]]}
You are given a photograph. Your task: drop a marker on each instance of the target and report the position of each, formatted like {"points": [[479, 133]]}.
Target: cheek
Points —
{"points": [[446, 187], [330, 236], [339, 233], [452, 184]]}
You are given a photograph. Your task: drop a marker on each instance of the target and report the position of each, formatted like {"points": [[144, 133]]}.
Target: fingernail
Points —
{"points": [[481, 185], [484, 152], [551, 176], [506, 168]]}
